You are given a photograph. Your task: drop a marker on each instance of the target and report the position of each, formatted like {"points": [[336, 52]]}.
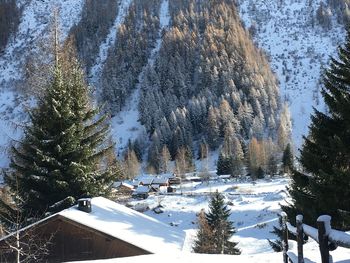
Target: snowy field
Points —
{"points": [[254, 211]]}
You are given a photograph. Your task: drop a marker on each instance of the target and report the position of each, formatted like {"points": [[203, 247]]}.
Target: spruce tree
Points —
{"points": [[62, 155], [324, 185], [287, 159], [221, 227]]}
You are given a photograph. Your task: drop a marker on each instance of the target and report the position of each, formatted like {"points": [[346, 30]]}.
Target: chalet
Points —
{"points": [[122, 188], [143, 191], [98, 229], [146, 181]]}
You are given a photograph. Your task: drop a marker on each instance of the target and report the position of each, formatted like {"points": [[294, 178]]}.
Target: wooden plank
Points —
{"points": [[300, 238], [285, 237], [323, 224]]}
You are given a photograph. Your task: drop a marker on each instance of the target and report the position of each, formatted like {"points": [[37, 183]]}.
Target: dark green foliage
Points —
{"points": [[64, 150], [324, 185], [287, 159], [224, 165], [9, 20], [216, 230], [272, 167], [260, 173]]}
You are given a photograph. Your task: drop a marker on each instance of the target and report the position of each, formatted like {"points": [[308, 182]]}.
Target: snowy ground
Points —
{"points": [[254, 210], [297, 51], [34, 25]]}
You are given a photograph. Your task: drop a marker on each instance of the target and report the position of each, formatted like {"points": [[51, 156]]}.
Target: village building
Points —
{"points": [[161, 181], [122, 188], [143, 191], [146, 181], [98, 229]]}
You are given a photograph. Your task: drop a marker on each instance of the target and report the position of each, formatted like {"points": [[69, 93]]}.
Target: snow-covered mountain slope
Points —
{"points": [[297, 51], [126, 124], [96, 70], [34, 25]]}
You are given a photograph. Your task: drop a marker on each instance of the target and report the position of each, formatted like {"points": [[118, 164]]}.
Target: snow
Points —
{"points": [[12, 118], [340, 237], [126, 125], [128, 225], [254, 211], [255, 207], [297, 52], [326, 219], [96, 71], [311, 232], [34, 24]]}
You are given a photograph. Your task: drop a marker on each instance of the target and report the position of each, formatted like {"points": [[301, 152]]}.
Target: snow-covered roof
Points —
{"points": [[147, 181], [125, 224], [141, 189], [118, 184], [128, 225], [160, 180]]}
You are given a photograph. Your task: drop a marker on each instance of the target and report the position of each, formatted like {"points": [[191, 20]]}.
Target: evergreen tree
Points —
{"points": [[324, 186], [221, 228], [223, 165], [287, 159], [61, 157]]}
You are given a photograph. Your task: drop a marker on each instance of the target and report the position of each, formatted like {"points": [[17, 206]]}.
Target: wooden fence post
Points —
{"points": [[285, 237], [324, 227], [300, 238]]}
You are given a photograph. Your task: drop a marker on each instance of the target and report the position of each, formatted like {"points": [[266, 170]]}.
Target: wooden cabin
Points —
{"points": [[161, 181], [101, 230], [122, 188]]}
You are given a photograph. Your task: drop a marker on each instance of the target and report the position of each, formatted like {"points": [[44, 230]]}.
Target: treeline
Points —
{"points": [[209, 84], [9, 20], [96, 19], [135, 40]]}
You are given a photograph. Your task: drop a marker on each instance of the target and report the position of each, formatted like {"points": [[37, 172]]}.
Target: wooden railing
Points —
{"points": [[327, 238]]}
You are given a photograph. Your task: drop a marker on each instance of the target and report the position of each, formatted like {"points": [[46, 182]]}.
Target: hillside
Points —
{"points": [[176, 76], [298, 37]]}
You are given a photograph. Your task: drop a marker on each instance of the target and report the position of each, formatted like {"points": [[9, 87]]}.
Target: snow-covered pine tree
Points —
{"points": [[324, 185], [62, 154]]}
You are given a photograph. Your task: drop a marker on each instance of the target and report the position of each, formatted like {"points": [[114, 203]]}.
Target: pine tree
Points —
{"points": [[61, 157], [324, 186], [221, 228], [225, 164], [287, 159]]}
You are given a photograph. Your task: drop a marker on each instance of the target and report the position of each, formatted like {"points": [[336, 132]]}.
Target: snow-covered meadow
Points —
{"points": [[254, 206]]}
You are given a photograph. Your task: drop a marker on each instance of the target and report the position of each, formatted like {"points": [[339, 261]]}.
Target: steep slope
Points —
{"points": [[96, 70], [299, 45], [36, 16], [126, 125], [34, 26]]}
